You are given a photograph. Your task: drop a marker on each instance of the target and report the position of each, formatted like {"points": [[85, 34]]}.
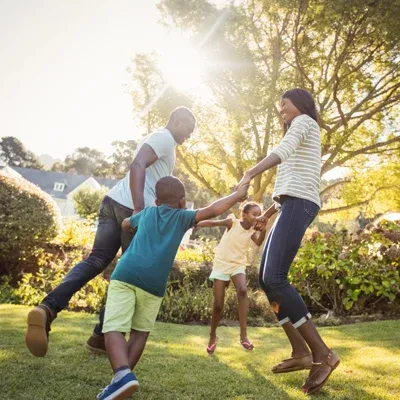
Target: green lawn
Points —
{"points": [[175, 364]]}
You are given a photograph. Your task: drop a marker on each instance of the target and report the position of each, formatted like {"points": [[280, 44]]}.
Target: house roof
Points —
{"points": [[46, 180]]}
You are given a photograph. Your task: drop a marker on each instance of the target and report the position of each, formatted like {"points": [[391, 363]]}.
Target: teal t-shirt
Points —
{"points": [[150, 257]]}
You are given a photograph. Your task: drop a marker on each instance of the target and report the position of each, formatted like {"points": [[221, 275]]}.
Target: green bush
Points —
{"points": [[189, 297], [29, 218], [349, 274], [77, 233], [87, 201]]}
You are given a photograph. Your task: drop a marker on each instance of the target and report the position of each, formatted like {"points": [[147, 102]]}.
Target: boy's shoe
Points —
{"points": [[37, 334], [96, 344], [120, 390]]}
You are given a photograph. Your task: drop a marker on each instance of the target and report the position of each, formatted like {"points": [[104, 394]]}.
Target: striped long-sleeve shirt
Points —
{"points": [[300, 168]]}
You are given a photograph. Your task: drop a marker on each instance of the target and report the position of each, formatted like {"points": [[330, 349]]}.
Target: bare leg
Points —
{"points": [[117, 349], [318, 347], [299, 345], [219, 296], [136, 345], [324, 360], [239, 281]]}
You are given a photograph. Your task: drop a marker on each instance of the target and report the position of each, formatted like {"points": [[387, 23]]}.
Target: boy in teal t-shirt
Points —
{"points": [[139, 280]]}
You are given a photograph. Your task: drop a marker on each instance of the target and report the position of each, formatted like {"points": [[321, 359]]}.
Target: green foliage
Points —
{"points": [[7, 291], [14, 153], [122, 157], [87, 161], [189, 297], [77, 233], [87, 201], [34, 287], [29, 218], [348, 273], [202, 252], [345, 54]]}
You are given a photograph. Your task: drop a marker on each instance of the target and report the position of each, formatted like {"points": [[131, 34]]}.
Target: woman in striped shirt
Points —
{"points": [[296, 197]]}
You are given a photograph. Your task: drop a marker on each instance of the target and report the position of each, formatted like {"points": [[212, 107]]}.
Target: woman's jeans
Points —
{"points": [[109, 238], [280, 250]]}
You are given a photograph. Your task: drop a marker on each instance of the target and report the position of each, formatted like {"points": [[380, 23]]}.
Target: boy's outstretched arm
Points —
{"points": [[212, 223], [220, 206]]}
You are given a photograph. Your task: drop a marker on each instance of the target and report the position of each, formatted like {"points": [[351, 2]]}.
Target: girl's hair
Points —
{"points": [[303, 101], [246, 207]]}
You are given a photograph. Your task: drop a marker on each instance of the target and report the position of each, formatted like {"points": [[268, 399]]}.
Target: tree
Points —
{"points": [[57, 167], [87, 161], [14, 154], [122, 157], [345, 53], [87, 201]]}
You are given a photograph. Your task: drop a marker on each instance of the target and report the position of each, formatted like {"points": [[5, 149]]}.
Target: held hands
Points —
{"points": [[242, 191], [260, 223], [244, 181]]}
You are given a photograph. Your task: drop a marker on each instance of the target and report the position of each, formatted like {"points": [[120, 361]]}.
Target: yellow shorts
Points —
{"points": [[129, 307]]}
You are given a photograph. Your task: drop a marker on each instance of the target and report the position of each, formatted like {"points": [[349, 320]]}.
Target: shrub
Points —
{"points": [[189, 297], [77, 233], [348, 274], [28, 218], [87, 201]]}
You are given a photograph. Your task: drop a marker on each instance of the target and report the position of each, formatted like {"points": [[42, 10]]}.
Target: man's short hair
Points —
{"points": [[182, 113], [169, 189]]}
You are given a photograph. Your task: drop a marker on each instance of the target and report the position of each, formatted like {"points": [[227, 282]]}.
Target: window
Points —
{"points": [[59, 186]]}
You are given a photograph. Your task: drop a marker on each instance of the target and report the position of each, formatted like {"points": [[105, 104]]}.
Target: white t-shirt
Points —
{"points": [[163, 144]]}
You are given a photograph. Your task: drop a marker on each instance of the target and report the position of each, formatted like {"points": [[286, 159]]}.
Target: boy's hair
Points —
{"points": [[169, 190], [248, 205]]}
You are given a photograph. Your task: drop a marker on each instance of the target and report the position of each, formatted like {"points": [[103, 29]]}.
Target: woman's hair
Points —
{"points": [[248, 205], [303, 101]]}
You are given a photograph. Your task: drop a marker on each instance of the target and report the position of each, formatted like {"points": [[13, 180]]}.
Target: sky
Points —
{"points": [[63, 70]]}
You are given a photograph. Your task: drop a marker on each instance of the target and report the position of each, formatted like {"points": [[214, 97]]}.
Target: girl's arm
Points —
{"points": [[261, 222], [212, 223], [258, 237]]}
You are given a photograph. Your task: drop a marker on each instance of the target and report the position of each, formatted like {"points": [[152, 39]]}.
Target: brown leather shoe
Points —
{"points": [[320, 373], [37, 334], [96, 344], [293, 364]]}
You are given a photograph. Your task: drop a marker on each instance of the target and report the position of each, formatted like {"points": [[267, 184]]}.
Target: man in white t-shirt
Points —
{"points": [[154, 158]]}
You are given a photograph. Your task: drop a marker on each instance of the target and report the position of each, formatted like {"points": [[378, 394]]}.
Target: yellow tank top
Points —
{"points": [[230, 253]]}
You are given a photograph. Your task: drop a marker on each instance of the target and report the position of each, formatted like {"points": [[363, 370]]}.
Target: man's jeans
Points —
{"points": [[109, 238]]}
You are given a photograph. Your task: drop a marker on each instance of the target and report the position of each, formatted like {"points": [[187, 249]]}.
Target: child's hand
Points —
{"points": [[242, 192], [260, 223]]}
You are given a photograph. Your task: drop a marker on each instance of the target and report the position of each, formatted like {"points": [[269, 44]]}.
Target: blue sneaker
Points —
{"points": [[120, 390]]}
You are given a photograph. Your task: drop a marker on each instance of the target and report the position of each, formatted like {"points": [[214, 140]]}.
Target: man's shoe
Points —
{"points": [[120, 390], [37, 334], [96, 344]]}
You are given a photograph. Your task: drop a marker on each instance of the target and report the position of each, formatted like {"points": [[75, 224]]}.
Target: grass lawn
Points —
{"points": [[175, 364]]}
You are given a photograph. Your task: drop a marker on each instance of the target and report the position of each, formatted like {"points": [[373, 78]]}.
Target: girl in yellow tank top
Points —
{"points": [[230, 263]]}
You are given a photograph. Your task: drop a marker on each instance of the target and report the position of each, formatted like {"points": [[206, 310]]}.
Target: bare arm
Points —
{"points": [[261, 221], [144, 158], [267, 163], [270, 212], [258, 237], [212, 223], [126, 225], [220, 206]]}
